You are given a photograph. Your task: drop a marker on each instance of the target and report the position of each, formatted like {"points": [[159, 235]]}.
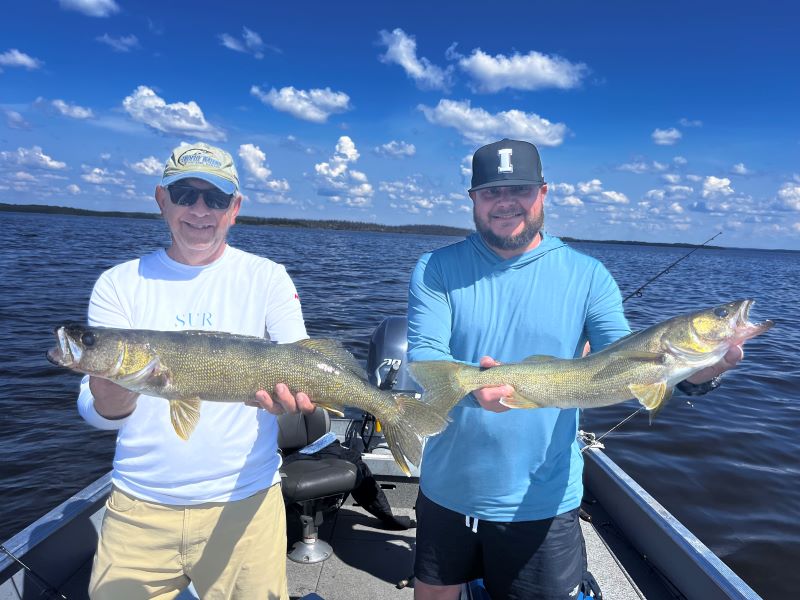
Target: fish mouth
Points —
{"points": [[745, 329], [66, 353]]}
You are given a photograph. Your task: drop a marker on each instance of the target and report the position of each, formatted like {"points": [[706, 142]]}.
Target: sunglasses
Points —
{"points": [[186, 195], [515, 191]]}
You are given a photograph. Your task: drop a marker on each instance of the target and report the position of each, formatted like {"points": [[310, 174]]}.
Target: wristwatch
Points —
{"points": [[698, 389]]}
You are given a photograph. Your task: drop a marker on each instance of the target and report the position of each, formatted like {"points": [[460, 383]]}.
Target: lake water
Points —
{"points": [[725, 464]]}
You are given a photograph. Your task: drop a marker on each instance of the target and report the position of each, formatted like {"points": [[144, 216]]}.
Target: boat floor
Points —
{"points": [[368, 562]]}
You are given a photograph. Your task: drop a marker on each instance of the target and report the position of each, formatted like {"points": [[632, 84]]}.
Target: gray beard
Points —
{"points": [[533, 225]]}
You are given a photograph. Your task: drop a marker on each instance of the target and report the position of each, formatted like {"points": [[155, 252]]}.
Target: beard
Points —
{"points": [[532, 226]]}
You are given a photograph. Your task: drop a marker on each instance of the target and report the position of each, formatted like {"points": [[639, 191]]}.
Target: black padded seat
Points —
{"points": [[315, 485], [311, 479]]}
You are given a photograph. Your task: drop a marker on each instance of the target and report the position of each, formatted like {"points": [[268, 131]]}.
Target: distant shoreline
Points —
{"points": [[246, 220], [320, 224]]}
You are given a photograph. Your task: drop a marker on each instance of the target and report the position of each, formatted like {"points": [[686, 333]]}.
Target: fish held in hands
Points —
{"points": [[190, 367], [645, 365]]}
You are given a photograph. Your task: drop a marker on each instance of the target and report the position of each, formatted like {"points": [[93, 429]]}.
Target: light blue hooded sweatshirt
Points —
{"points": [[466, 302]]}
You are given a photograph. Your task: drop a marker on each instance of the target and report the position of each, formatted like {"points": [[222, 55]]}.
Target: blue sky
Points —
{"points": [[663, 121]]}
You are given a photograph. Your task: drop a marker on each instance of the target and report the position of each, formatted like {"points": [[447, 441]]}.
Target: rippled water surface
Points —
{"points": [[725, 464]]}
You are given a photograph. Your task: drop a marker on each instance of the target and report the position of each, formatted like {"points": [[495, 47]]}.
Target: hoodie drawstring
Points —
{"points": [[474, 525]]}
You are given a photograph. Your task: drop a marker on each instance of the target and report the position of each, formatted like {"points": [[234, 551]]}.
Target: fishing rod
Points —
{"points": [[48, 590], [589, 438], [638, 291]]}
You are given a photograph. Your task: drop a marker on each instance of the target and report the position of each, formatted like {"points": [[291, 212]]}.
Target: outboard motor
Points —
{"points": [[387, 365], [387, 368]]}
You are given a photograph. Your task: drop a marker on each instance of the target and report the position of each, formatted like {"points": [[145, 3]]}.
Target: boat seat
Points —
{"points": [[316, 486]]}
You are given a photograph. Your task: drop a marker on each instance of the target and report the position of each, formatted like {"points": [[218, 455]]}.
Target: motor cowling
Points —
{"points": [[387, 363]]}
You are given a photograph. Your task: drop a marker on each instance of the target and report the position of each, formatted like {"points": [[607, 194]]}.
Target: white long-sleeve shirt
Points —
{"points": [[232, 453]]}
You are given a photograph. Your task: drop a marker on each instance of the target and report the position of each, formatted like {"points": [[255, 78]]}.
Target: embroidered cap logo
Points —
{"points": [[505, 160], [197, 156]]}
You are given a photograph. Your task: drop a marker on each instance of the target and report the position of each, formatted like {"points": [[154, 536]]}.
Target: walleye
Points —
{"points": [[645, 365], [188, 367]]}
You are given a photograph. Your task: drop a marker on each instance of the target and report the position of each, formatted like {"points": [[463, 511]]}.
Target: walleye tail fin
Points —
{"points": [[416, 420], [652, 396], [442, 381], [184, 414]]}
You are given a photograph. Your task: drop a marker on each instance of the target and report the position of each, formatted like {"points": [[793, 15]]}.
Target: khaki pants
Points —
{"points": [[226, 549]]}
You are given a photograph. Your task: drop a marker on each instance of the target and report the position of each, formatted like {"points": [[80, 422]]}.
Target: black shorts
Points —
{"points": [[545, 560]]}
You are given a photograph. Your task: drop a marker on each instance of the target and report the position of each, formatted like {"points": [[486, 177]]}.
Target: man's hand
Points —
{"points": [[489, 397], [729, 361], [112, 401], [282, 401]]}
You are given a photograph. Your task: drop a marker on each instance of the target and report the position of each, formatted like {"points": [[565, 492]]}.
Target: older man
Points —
{"points": [[207, 510], [500, 490]]}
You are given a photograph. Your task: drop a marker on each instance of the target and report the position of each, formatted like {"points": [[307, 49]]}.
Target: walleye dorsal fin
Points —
{"points": [[334, 350], [651, 395], [538, 358], [625, 360], [184, 414]]}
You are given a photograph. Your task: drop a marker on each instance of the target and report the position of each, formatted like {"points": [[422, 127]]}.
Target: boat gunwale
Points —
{"points": [[662, 540]]}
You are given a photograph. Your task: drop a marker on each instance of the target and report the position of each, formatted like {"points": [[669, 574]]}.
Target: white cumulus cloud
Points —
{"points": [[99, 176], [532, 71], [466, 167], [314, 105], [740, 169], [563, 194], [338, 182], [15, 58], [716, 186], [91, 8], [149, 165], [32, 157], [73, 189], [481, 127], [396, 149], [72, 111], [255, 165], [594, 186], [184, 118], [572, 201], [655, 195], [410, 195], [254, 161], [564, 189], [666, 137], [614, 197], [789, 194], [401, 49]]}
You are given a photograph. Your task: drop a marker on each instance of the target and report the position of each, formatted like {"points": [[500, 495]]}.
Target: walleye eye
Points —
{"points": [[88, 339], [721, 312]]}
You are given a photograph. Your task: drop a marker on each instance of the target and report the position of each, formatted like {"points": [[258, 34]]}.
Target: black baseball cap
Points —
{"points": [[507, 162]]}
